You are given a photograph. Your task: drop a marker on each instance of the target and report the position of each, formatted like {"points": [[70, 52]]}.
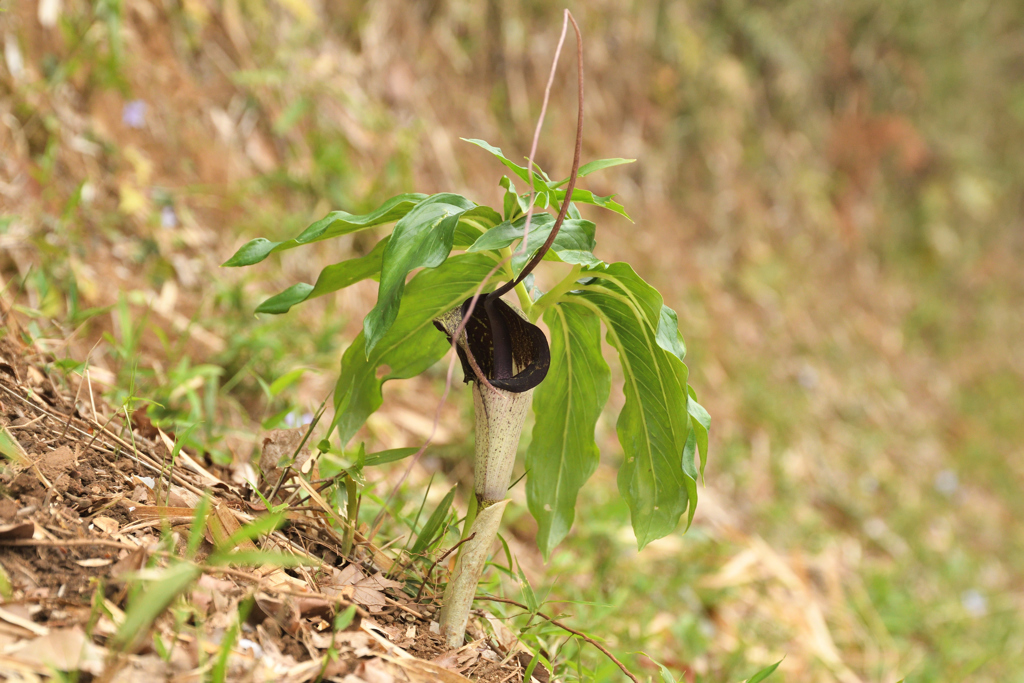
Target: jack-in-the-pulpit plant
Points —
{"points": [[457, 245]]}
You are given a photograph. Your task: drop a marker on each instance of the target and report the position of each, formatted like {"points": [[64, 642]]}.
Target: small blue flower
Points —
{"points": [[168, 219], [134, 114], [946, 482], [974, 603]]}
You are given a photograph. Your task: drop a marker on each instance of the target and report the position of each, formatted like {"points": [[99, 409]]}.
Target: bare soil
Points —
{"points": [[87, 500]]}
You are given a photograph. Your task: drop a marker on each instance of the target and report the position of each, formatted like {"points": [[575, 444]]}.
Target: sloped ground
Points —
{"points": [[90, 503], [829, 197]]}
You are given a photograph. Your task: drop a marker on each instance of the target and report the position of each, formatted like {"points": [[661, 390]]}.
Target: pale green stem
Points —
{"points": [[461, 589], [524, 297], [550, 298], [500, 415]]}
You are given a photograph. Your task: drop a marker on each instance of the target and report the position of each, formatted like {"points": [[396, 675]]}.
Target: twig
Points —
{"points": [[103, 429], [562, 626], [438, 561], [71, 542]]}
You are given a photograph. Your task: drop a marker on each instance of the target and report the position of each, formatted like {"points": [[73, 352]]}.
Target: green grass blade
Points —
{"points": [[433, 525]]}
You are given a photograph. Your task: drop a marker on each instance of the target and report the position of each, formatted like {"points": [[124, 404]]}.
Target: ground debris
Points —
{"points": [[90, 514]]}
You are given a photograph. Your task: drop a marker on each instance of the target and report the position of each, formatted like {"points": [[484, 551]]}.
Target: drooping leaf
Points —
{"points": [[332, 225], [654, 425], [422, 238], [563, 453], [331, 279], [411, 345]]}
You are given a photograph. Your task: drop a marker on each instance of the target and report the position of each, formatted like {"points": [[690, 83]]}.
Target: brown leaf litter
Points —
{"points": [[87, 501]]}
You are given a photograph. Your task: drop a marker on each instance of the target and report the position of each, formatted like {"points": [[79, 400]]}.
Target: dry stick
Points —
{"points": [[501, 264], [562, 626], [448, 552]]}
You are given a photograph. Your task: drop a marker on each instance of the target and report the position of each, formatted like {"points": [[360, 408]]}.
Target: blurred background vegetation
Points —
{"points": [[829, 194]]}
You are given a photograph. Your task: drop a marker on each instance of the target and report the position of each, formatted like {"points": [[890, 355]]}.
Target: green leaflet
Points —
{"points": [[548, 189], [764, 673], [433, 525], [474, 223], [422, 238], [588, 197], [563, 454], [333, 224], [574, 243], [505, 233], [700, 420], [331, 279], [657, 477], [541, 182], [154, 597], [596, 165], [411, 344]]}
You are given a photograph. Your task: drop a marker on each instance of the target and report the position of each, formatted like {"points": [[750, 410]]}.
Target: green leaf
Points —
{"points": [[700, 421], [588, 197], [482, 218], [563, 453], [411, 345], [764, 673], [528, 595], [540, 184], [332, 225], [654, 425], [152, 601], [286, 380], [198, 529], [422, 238], [669, 337], [596, 165], [433, 525], [331, 279], [574, 243], [510, 203], [507, 232], [384, 457], [254, 529], [344, 618]]}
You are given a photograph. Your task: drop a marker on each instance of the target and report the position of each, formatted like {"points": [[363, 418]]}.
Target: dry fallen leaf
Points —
{"points": [[17, 531], [67, 649], [94, 562]]}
